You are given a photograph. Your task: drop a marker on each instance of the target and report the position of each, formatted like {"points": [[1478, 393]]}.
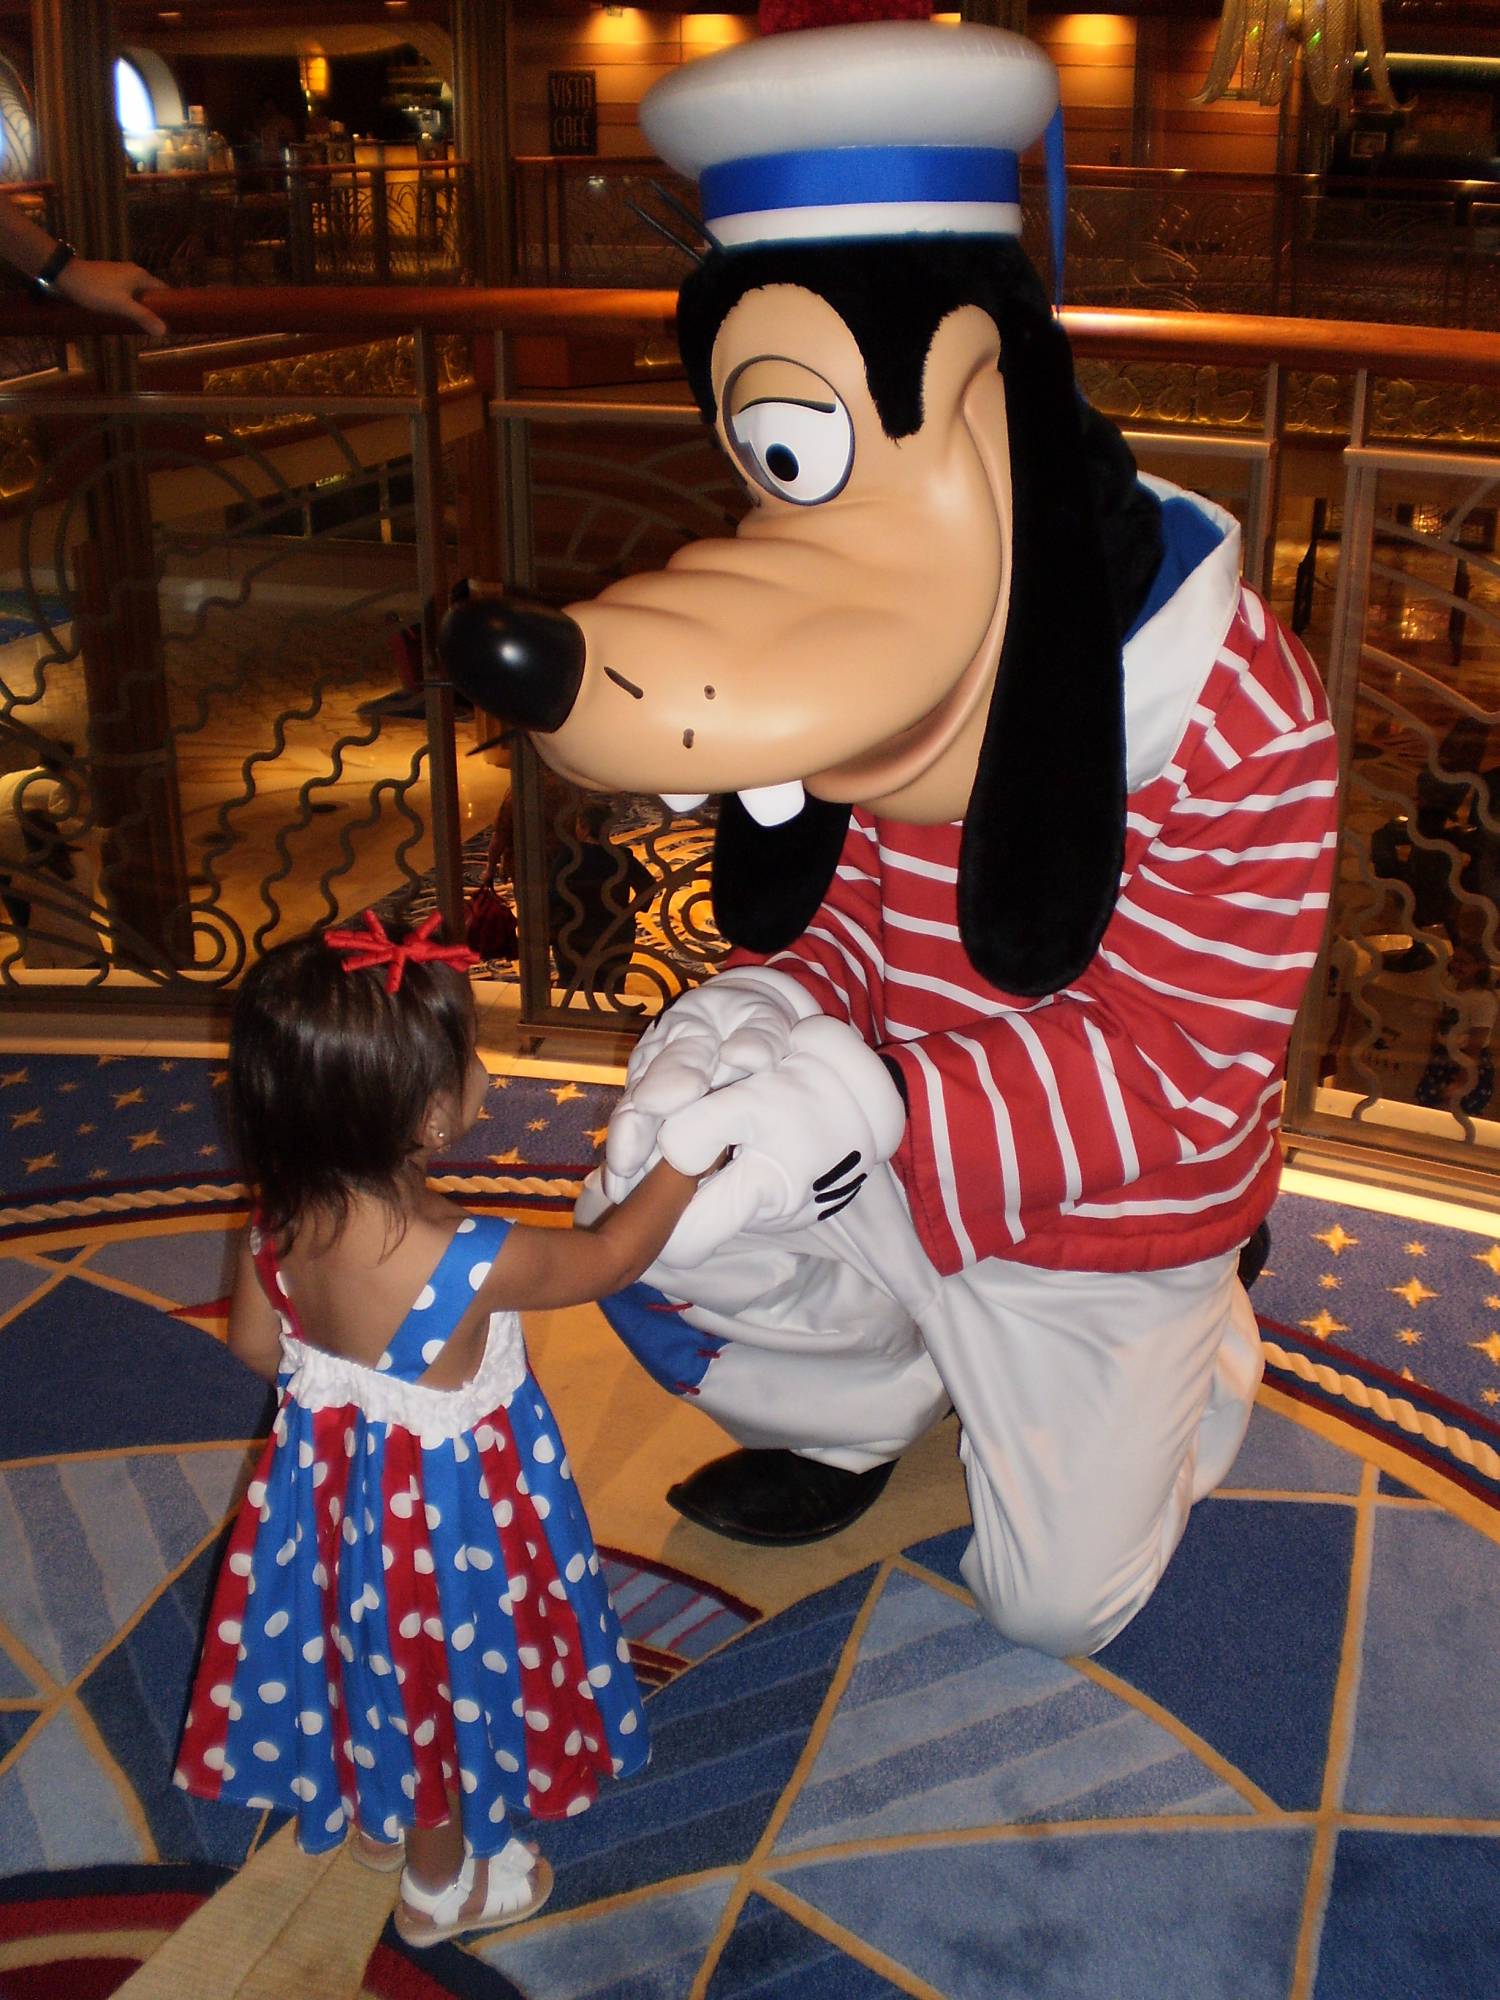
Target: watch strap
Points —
{"points": [[45, 281]]}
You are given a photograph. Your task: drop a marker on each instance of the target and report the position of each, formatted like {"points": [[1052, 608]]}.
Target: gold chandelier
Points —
{"points": [[1260, 39]]}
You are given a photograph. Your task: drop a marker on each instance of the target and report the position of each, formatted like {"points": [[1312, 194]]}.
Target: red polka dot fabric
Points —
{"points": [[404, 1615]]}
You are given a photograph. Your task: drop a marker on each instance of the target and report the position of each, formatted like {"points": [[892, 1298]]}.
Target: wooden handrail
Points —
{"points": [[1245, 340], [359, 313], [363, 312]]}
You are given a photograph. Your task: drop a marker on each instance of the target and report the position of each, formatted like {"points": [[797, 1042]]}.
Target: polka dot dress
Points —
{"points": [[411, 1603]]}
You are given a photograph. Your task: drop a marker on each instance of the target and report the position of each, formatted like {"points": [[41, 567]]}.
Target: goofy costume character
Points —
{"points": [[1025, 847]]}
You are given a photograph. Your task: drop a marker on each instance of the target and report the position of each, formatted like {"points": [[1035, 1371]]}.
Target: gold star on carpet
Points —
{"points": [[1415, 1249], [99, 1174], [597, 1137], [189, 1106], [1328, 1282], [536, 1125], [124, 1097], [482, 1117], [1489, 1395], [1492, 1303], [1409, 1337], [64, 1088], [1413, 1291], [1490, 1257], [20, 1118], [1489, 1348], [1323, 1325], [564, 1093], [139, 1141], [84, 1130], [12, 1076], [1336, 1240], [207, 1152], [219, 1078], [510, 1159], [1407, 1376], [41, 1163]]}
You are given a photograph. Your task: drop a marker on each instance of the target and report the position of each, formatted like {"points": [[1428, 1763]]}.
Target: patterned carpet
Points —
{"points": [[1283, 1780]]}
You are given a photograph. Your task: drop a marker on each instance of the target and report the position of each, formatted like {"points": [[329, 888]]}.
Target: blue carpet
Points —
{"points": [[1419, 1300], [99, 1139], [868, 1794]]}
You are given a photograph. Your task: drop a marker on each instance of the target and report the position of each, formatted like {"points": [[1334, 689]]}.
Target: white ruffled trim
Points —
{"points": [[323, 1381]]}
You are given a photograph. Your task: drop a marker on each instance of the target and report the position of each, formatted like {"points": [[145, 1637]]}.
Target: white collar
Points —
{"points": [[1167, 661]]}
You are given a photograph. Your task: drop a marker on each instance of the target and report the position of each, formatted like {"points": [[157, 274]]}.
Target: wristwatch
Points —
{"points": [[44, 284]]}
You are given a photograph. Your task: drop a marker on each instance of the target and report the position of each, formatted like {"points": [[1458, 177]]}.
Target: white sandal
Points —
{"points": [[517, 1884]]}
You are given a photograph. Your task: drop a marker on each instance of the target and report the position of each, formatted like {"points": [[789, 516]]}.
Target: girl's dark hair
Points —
{"points": [[330, 1076]]}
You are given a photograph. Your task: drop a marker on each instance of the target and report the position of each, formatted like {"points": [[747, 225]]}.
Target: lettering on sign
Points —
{"points": [[572, 111]]}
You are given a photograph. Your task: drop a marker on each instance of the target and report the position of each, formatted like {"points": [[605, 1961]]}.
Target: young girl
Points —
{"points": [[410, 1632]]}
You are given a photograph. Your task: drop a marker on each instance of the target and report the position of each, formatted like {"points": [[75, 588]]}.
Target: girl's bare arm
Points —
{"points": [[254, 1331], [537, 1268]]}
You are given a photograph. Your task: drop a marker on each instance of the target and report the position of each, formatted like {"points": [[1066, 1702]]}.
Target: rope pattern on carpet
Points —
{"points": [[120, 1203], [1391, 1410], [84, 1208]]}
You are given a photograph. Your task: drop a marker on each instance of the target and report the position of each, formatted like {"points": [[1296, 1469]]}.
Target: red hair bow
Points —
{"points": [[359, 950]]}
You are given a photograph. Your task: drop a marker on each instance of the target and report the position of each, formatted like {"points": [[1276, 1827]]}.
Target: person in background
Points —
{"points": [[273, 130], [55, 272]]}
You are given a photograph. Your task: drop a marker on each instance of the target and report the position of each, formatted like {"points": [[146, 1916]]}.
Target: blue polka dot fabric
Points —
{"points": [[411, 1609]]}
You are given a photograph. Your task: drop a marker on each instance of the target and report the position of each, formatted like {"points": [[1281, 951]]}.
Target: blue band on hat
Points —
{"points": [[829, 176]]}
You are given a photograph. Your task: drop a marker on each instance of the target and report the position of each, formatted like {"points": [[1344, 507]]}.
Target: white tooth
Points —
{"points": [[682, 802], [774, 805]]}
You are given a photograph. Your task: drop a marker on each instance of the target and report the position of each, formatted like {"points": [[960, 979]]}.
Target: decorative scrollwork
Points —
{"points": [[207, 742], [370, 368], [1178, 394], [1415, 923]]}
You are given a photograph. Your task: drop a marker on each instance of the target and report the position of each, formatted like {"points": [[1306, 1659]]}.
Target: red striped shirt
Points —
{"points": [[1130, 1121]]}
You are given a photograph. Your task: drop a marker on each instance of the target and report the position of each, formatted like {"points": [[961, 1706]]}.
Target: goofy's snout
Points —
{"points": [[515, 659]]}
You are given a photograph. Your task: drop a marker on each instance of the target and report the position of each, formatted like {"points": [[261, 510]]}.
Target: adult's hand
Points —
{"points": [[103, 287]]}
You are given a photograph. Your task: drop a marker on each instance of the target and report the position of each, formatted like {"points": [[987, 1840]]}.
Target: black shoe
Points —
{"points": [[776, 1498], [1254, 1254]]}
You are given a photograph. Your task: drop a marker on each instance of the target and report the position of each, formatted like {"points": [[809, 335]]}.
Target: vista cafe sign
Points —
{"points": [[572, 111]]}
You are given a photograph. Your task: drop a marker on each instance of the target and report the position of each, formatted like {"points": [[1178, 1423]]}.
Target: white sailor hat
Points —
{"points": [[867, 129]]}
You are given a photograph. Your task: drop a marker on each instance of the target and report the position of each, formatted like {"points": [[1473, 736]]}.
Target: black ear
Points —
{"points": [[1044, 832], [769, 880]]}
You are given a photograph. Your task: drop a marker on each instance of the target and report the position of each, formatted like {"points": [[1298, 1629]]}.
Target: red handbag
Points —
{"points": [[490, 924]]}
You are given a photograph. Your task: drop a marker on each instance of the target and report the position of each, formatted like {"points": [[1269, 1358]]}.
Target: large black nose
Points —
{"points": [[520, 661]]}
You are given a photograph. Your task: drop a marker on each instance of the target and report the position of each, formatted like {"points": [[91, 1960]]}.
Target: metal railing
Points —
{"points": [[308, 223], [221, 717], [1163, 239]]}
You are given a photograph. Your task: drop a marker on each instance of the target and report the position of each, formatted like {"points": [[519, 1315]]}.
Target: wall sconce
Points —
{"points": [[314, 71]]}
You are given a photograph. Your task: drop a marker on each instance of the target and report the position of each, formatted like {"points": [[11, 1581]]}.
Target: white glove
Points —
{"points": [[734, 1025], [592, 1201], [806, 1133]]}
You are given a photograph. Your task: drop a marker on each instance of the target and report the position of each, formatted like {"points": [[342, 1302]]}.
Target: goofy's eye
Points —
{"points": [[800, 451]]}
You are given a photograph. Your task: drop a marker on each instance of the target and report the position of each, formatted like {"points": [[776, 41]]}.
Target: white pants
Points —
{"points": [[1095, 1407]]}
